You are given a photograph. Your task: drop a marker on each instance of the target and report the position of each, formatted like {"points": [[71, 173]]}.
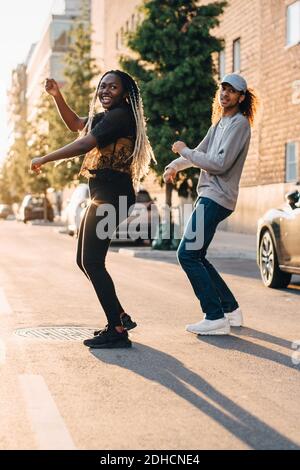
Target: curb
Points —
{"points": [[171, 255]]}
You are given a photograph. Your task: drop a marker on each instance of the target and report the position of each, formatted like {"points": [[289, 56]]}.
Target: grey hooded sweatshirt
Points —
{"points": [[221, 156]]}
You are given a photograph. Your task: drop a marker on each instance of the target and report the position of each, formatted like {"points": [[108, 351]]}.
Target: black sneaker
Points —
{"points": [[126, 321], [108, 339]]}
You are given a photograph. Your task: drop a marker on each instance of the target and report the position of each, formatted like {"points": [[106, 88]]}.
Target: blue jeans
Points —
{"points": [[214, 295]]}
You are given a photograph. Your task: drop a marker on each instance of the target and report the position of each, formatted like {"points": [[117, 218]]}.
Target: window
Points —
{"points": [[117, 41], [222, 64], [60, 38], [132, 22], [293, 24], [61, 43], [236, 56], [122, 36], [291, 163]]}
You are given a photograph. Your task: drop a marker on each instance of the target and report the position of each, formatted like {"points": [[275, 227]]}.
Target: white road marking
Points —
{"points": [[5, 308], [47, 423], [2, 353]]}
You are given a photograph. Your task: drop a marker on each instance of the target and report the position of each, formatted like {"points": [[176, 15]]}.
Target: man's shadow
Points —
{"points": [[237, 342], [169, 372]]}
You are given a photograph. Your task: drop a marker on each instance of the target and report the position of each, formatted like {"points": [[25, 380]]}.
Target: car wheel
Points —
{"points": [[271, 275]]}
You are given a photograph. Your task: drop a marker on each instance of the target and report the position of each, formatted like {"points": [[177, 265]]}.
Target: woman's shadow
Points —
{"points": [[170, 373]]}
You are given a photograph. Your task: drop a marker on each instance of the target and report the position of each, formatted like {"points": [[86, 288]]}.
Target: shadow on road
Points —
{"points": [[242, 345], [170, 373], [251, 333]]}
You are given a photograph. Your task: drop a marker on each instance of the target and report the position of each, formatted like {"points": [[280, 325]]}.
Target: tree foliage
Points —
{"points": [[173, 64]]}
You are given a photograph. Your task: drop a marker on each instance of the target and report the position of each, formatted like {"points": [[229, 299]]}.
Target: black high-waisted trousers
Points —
{"points": [[106, 188]]}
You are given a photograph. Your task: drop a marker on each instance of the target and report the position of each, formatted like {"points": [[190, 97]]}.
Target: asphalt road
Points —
{"points": [[172, 390]]}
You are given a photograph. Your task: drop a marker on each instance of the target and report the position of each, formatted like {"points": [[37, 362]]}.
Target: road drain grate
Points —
{"points": [[57, 333]]}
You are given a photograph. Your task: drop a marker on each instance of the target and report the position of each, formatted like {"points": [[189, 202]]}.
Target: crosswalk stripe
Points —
{"points": [[47, 423]]}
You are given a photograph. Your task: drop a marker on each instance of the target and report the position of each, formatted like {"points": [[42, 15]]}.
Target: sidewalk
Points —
{"points": [[224, 245]]}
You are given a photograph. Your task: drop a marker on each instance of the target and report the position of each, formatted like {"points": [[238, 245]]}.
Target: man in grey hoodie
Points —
{"points": [[221, 156]]}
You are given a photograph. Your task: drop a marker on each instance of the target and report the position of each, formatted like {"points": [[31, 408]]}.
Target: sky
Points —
{"points": [[21, 24]]}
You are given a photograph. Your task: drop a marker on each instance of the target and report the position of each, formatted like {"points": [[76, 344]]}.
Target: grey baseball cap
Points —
{"points": [[236, 81]]}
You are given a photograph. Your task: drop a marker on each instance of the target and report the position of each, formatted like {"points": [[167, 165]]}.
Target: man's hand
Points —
{"points": [[51, 87], [169, 175], [36, 164], [178, 146]]}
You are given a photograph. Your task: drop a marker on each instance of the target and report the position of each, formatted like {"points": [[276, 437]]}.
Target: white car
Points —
{"points": [[73, 213]]}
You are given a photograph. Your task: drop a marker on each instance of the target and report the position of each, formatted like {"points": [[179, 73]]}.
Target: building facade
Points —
{"points": [[262, 42], [47, 58], [17, 105]]}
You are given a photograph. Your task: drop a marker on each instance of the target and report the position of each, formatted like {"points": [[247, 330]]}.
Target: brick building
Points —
{"points": [[262, 42]]}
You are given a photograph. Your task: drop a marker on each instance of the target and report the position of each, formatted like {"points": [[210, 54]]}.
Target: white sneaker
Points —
{"points": [[235, 318], [210, 327]]}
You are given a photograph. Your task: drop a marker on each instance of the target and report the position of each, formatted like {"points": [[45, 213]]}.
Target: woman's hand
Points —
{"points": [[178, 146], [169, 175], [36, 164], [51, 87]]}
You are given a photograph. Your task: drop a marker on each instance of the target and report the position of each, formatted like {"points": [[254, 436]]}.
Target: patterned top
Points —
{"points": [[115, 132]]}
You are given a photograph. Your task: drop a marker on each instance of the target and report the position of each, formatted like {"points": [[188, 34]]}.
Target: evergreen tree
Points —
{"points": [[175, 70]]}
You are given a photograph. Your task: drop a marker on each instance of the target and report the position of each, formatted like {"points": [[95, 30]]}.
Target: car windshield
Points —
{"points": [[37, 201]]}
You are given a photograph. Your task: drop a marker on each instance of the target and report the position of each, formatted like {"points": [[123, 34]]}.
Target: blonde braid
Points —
{"points": [[88, 126], [143, 152]]}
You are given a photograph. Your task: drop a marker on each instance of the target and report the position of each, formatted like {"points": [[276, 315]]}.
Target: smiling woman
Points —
{"points": [[118, 156]]}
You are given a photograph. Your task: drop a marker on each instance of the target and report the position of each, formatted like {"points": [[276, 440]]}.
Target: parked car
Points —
{"points": [[145, 211], [278, 242], [73, 213], [144, 217], [32, 208], [5, 211]]}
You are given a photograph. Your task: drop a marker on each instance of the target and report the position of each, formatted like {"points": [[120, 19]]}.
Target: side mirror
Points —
{"points": [[292, 198]]}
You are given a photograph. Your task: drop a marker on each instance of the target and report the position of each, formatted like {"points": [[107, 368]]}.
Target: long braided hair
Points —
{"points": [[142, 153]]}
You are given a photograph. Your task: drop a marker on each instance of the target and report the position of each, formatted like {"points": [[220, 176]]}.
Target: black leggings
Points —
{"points": [[92, 248]]}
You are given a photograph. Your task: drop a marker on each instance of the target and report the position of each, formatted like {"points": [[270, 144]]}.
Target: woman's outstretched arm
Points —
{"points": [[76, 148]]}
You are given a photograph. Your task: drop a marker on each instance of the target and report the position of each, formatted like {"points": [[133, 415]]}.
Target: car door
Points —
{"points": [[290, 234]]}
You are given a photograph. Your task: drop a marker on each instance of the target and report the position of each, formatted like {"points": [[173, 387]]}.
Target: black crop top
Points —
{"points": [[115, 132]]}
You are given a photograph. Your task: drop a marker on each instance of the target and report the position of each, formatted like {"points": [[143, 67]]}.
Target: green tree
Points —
{"points": [[14, 170], [38, 144], [173, 64], [6, 196]]}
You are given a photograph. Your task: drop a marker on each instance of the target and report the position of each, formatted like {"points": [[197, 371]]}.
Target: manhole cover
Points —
{"points": [[58, 333]]}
